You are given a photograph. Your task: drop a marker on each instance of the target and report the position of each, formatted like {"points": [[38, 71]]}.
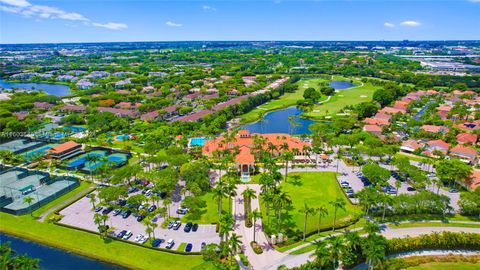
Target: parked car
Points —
{"points": [[203, 246], [170, 244], [411, 189], [156, 242], [188, 227], [122, 202], [132, 189], [345, 185], [152, 208], [121, 234], [452, 190], [98, 209], [188, 247], [126, 214], [117, 212], [138, 237], [182, 211], [170, 224], [177, 225], [140, 218], [195, 227], [107, 210], [127, 235], [148, 192]]}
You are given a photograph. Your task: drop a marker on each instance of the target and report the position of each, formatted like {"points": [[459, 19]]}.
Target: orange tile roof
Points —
{"points": [[245, 156], [63, 147], [474, 180], [467, 138]]}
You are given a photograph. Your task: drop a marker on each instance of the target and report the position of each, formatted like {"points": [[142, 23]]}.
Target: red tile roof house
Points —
{"points": [[469, 126], [410, 146], [119, 112], [391, 110], [169, 111], [42, 105], [380, 119], [150, 116], [193, 117], [21, 115], [374, 129], [435, 129], [473, 182], [402, 105], [436, 145], [191, 97], [465, 138], [64, 150], [73, 108], [123, 105], [443, 111], [466, 154]]}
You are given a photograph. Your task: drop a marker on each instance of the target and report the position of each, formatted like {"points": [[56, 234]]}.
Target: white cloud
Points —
{"points": [[111, 25], [474, 1], [208, 8], [390, 25], [16, 3], [410, 23], [172, 24], [25, 8]]}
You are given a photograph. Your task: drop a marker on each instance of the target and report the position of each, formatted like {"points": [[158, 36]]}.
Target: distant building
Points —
{"points": [[64, 150], [84, 84]]}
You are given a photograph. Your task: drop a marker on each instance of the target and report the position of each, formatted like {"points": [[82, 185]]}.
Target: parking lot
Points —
{"points": [[80, 214]]}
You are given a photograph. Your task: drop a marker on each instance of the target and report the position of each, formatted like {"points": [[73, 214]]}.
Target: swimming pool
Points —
{"points": [[123, 137], [198, 141]]}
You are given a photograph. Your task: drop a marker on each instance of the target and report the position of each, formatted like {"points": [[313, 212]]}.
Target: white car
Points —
{"points": [[143, 240], [139, 237], [127, 235], [170, 244]]}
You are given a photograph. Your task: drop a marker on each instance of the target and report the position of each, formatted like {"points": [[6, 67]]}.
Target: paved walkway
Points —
{"points": [[257, 261]]}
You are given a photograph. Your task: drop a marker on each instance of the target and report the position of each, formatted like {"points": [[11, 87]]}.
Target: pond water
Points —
{"points": [[59, 90], [339, 85], [53, 258], [278, 122]]}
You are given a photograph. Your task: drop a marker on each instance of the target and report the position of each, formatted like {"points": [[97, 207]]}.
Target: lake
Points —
{"points": [[339, 85], [278, 122], [59, 90], [53, 258]]}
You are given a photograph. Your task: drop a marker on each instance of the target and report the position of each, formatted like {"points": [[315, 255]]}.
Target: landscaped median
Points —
{"points": [[90, 245]]}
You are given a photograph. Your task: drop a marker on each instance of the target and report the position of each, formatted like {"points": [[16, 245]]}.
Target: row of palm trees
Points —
{"points": [[321, 211]]}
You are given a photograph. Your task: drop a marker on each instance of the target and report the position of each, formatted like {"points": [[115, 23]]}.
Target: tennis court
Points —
{"points": [[20, 145], [40, 151], [18, 183], [81, 162]]}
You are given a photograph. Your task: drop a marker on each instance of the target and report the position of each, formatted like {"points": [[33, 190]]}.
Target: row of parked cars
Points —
{"points": [[348, 189], [175, 225]]}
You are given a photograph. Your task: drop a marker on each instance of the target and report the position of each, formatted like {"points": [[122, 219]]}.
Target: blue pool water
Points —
{"points": [[74, 129], [278, 122], [339, 85], [59, 90], [198, 141], [123, 137]]}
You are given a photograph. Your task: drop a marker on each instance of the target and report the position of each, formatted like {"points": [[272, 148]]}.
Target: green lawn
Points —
{"points": [[412, 157], [287, 100], [91, 245], [350, 96], [445, 266], [434, 224], [315, 189], [209, 213]]}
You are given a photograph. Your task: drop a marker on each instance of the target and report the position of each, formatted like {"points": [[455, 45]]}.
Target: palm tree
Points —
{"points": [[92, 159], [255, 215], [28, 200], [322, 254], [322, 211], [93, 199], [338, 203], [287, 156], [268, 199], [248, 195], [230, 189], [337, 246], [219, 194], [234, 243], [306, 211], [339, 156], [226, 225], [281, 200], [374, 250]]}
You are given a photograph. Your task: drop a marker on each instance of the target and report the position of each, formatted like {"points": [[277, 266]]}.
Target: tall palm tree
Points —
{"points": [[337, 246], [306, 211], [281, 200], [219, 194], [322, 254], [90, 158], [234, 244], [93, 199], [248, 194], [287, 156], [267, 199], [28, 200], [322, 211], [230, 189], [226, 225], [255, 215], [337, 204]]}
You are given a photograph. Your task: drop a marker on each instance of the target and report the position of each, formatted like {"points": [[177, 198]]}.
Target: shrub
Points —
{"points": [[444, 240], [256, 247]]}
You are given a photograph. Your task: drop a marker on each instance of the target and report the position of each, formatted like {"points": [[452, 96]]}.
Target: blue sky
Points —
{"points": [[42, 21]]}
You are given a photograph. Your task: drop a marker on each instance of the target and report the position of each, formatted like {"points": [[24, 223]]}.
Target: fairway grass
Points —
{"points": [[286, 100], [315, 189], [90, 245], [342, 98]]}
